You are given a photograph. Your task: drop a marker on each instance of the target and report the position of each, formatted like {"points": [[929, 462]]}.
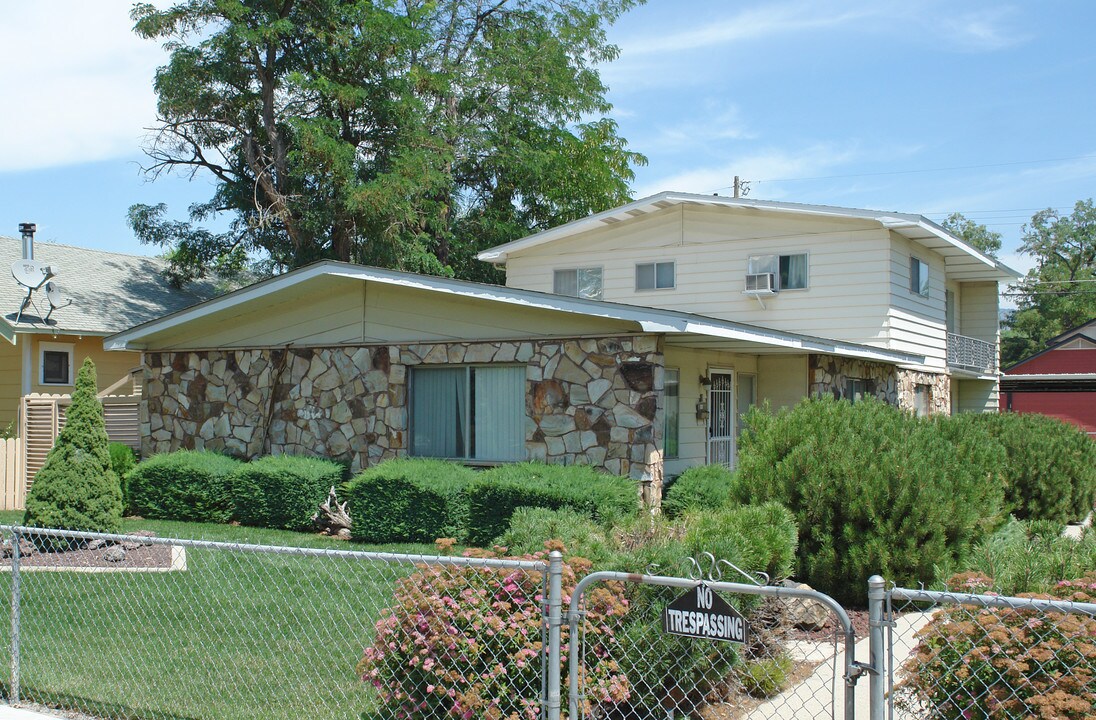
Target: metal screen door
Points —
{"points": [[721, 419]]}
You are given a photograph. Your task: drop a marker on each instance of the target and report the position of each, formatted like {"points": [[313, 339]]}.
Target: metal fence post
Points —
{"points": [[876, 628], [555, 606], [15, 602]]}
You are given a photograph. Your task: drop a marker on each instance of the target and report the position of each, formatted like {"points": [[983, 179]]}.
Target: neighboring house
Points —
{"points": [[1059, 381], [108, 292], [632, 340]]}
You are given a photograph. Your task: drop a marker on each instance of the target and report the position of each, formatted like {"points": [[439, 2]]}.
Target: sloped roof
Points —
{"points": [[962, 261], [109, 291], [1085, 330]]}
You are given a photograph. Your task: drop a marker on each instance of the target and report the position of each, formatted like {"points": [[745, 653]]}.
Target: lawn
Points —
{"points": [[235, 635]]}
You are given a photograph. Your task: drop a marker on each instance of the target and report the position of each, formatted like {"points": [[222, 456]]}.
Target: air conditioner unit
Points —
{"points": [[761, 283]]}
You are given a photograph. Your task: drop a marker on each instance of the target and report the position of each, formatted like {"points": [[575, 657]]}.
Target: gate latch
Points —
{"points": [[859, 668]]}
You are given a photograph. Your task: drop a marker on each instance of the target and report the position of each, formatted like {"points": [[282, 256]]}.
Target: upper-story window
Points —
{"points": [[655, 276], [790, 271], [55, 362], [919, 276], [578, 282]]}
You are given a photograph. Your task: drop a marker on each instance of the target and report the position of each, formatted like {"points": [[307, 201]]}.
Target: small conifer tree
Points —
{"points": [[76, 489]]}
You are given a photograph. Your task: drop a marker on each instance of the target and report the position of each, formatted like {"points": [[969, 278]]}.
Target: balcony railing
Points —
{"points": [[968, 353]]}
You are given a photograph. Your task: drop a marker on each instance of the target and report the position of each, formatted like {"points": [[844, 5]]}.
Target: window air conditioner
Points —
{"points": [[761, 283]]}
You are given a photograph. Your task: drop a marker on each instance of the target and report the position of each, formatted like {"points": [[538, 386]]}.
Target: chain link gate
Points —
{"points": [[633, 665]]}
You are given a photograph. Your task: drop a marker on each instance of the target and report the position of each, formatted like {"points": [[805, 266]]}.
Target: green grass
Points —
{"points": [[237, 635]]}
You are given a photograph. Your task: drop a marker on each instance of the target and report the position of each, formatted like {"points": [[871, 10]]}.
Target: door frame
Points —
{"points": [[730, 439]]}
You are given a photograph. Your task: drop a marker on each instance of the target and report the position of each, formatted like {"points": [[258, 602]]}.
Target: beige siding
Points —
{"points": [[978, 311], [10, 381], [975, 395], [782, 379], [917, 324], [366, 313], [109, 366], [848, 264]]}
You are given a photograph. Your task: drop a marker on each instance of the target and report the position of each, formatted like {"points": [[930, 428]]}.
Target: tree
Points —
{"points": [[1060, 291], [976, 235], [76, 489], [408, 135]]}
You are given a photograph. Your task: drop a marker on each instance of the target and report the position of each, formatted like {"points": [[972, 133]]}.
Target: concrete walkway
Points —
{"points": [[7, 712]]}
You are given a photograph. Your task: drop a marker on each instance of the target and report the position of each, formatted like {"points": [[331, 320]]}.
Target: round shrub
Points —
{"points": [[873, 490], [756, 538], [434, 656], [76, 488], [184, 485], [409, 500], [1049, 468], [282, 491], [703, 487]]}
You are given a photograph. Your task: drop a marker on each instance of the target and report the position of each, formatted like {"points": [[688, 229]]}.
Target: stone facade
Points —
{"points": [[588, 401], [830, 376]]}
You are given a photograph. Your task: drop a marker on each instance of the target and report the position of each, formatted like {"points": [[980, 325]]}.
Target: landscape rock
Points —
{"points": [[805, 613], [114, 554]]}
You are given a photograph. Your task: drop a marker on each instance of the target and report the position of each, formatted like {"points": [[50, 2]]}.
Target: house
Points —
{"points": [[632, 340], [1059, 381], [57, 317]]}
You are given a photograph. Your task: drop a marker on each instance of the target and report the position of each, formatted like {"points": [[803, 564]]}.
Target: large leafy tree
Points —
{"points": [[1060, 291], [977, 235], [404, 134]]}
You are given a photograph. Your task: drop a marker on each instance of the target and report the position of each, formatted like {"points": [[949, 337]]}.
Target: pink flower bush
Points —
{"points": [[465, 643]]}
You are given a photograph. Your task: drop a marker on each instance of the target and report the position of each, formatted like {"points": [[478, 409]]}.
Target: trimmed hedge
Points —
{"points": [[184, 485], [873, 490], [409, 500], [704, 487], [498, 492], [282, 491], [1049, 468]]}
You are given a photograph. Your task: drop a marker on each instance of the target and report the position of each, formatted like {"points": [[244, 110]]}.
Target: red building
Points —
{"points": [[1060, 381]]}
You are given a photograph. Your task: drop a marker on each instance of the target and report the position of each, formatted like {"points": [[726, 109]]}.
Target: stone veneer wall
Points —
{"points": [[588, 401], [829, 375]]}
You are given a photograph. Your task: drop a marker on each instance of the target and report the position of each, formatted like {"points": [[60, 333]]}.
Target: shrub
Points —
{"points": [[767, 677], [873, 490], [756, 538], [1049, 468], [122, 460], [282, 491], [409, 500], [532, 529], [435, 657], [184, 485], [704, 487], [495, 495], [997, 663], [76, 489]]}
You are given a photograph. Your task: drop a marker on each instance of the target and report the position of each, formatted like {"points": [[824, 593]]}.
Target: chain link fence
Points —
{"points": [[124, 626], [959, 655], [653, 661]]}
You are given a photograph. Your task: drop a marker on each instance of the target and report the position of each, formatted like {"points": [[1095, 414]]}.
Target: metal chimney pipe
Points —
{"points": [[27, 229]]}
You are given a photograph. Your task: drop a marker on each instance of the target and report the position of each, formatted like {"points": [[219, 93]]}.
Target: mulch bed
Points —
{"points": [[135, 555]]}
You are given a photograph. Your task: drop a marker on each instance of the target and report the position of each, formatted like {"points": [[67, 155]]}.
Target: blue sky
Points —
{"points": [[918, 106]]}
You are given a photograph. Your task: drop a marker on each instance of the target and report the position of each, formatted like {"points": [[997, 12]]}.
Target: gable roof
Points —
{"points": [[1084, 330], [963, 262], [325, 277], [109, 291]]}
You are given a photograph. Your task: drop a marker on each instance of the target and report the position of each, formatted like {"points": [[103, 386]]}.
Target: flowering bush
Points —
{"points": [[997, 663], [465, 642]]}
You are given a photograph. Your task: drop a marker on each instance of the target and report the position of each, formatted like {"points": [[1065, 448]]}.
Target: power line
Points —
{"points": [[928, 170]]}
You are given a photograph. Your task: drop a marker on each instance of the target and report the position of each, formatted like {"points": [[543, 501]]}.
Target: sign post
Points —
{"points": [[700, 613]]}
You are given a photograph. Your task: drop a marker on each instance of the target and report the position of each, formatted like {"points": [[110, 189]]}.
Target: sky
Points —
{"points": [[918, 106]]}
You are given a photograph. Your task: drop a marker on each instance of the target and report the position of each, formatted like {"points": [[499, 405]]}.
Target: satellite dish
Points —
{"points": [[56, 298], [31, 273]]}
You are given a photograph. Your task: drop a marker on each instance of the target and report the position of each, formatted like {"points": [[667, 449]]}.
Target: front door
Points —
{"points": [[721, 418]]}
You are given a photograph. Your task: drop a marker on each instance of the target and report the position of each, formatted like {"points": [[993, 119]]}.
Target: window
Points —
{"points": [[922, 400], [671, 435], [578, 282], [919, 276], [857, 389], [468, 413], [55, 361], [790, 270], [655, 276]]}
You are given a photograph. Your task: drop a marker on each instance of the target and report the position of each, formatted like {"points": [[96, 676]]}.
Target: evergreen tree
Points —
{"points": [[76, 489]]}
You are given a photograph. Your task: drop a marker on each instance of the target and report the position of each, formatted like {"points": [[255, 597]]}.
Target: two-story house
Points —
{"points": [[632, 340]]}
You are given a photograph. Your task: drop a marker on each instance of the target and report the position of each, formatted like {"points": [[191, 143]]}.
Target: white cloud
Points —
{"points": [[710, 122], [986, 30], [77, 83]]}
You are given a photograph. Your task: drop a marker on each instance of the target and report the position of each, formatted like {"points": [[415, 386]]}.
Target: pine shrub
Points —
{"points": [[704, 487], [756, 538], [873, 490], [184, 485], [534, 529], [283, 491], [76, 489], [122, 460], [498, 492], [410, 500]]}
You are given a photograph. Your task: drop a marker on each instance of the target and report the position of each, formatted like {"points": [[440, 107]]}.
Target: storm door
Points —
{"points": [[721, 418]]}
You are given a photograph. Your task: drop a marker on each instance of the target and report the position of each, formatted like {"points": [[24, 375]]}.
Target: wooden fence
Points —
{"points": [[12, 493]]}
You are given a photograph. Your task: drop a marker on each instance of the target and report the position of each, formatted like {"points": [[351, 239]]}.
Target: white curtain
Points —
{"points": [[438, 408], [793, 271], [499, 419]]}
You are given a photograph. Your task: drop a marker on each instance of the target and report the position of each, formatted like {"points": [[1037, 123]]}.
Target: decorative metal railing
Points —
{"points": [[971, 354]]}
